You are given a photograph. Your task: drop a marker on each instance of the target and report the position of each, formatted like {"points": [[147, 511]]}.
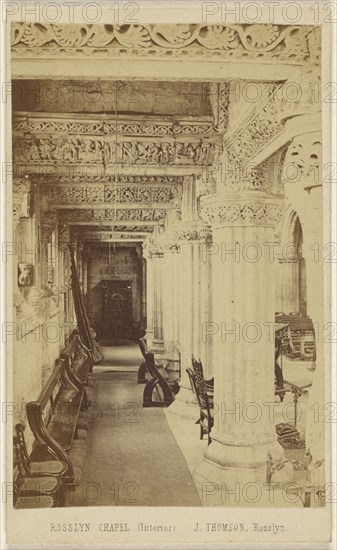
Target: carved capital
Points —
{"points": [[244, 209]]}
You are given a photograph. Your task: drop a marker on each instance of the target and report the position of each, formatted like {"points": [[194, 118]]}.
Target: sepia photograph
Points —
{"points": [[168, 254]]}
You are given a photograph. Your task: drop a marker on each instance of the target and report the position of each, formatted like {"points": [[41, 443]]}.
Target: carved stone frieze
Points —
{"points": [[249, 210], [259, 42], [121, 179], [93, 150], [109, 194], [37, 124], [129, 214]]}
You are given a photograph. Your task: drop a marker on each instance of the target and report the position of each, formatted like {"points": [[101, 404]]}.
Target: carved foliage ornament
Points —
{"points": [[106, 194], [129, 214], [260, 126], [243, 213], [289, 42]]}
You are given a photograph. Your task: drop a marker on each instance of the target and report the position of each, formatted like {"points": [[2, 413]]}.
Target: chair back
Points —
{"points": [[143, 347], [190, 376]]}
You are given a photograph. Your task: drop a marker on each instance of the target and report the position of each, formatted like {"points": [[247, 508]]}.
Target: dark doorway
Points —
{"points": [[116, 310]]}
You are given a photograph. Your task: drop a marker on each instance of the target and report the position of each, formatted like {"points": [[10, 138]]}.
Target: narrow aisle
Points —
{"points": [[132, 456]]}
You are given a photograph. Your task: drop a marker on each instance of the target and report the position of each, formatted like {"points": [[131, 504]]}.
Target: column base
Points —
{"points": [[237, 476], [185, 405]]}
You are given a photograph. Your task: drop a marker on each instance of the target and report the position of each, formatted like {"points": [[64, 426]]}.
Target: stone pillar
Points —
{"points": [[194, 307], [171, 284], [303, 186], [242, 340], [158, 333]]}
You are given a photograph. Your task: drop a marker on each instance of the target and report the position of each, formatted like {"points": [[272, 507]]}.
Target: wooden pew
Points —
{"points": [[159, 391], [53, 419], [78, 365]]}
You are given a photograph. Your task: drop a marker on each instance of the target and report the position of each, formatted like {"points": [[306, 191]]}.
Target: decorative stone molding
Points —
{"points": [[219, 99], [129, 214], [71, 150], [90, 236], [109, 194], [126, 126], [109, 180], [259, 42], [242, 209], [302, 162]]}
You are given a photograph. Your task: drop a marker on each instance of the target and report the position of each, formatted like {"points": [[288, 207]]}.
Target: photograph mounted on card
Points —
{"points": [[169, 337]]}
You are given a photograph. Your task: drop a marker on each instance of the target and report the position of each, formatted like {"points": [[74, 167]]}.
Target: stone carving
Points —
{"points": [[193, 233], [25, 277], [132, 127], [260, 126], [110, 180], [129, 214], [223, 103], [249, 41], [109, 194], [302, 162], [79, 150], [247, 212]]}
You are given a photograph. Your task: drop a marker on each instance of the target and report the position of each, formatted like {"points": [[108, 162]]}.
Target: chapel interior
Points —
{"points": [[166, 271]]}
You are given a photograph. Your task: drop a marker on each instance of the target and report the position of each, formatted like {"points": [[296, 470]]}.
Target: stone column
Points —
{"points": [[241, 336], [194, 307], [303, 186], [158, 333], [171, 283]]}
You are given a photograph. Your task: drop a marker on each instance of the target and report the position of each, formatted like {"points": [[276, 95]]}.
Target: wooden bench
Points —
{"points": [[159, 391], [53, 419]]}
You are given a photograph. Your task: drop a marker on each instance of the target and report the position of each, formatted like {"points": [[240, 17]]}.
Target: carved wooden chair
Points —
{"points": [[206, 419]]}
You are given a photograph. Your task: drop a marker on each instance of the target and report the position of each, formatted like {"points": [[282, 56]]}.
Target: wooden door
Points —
{"points": [[116, 309]]}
